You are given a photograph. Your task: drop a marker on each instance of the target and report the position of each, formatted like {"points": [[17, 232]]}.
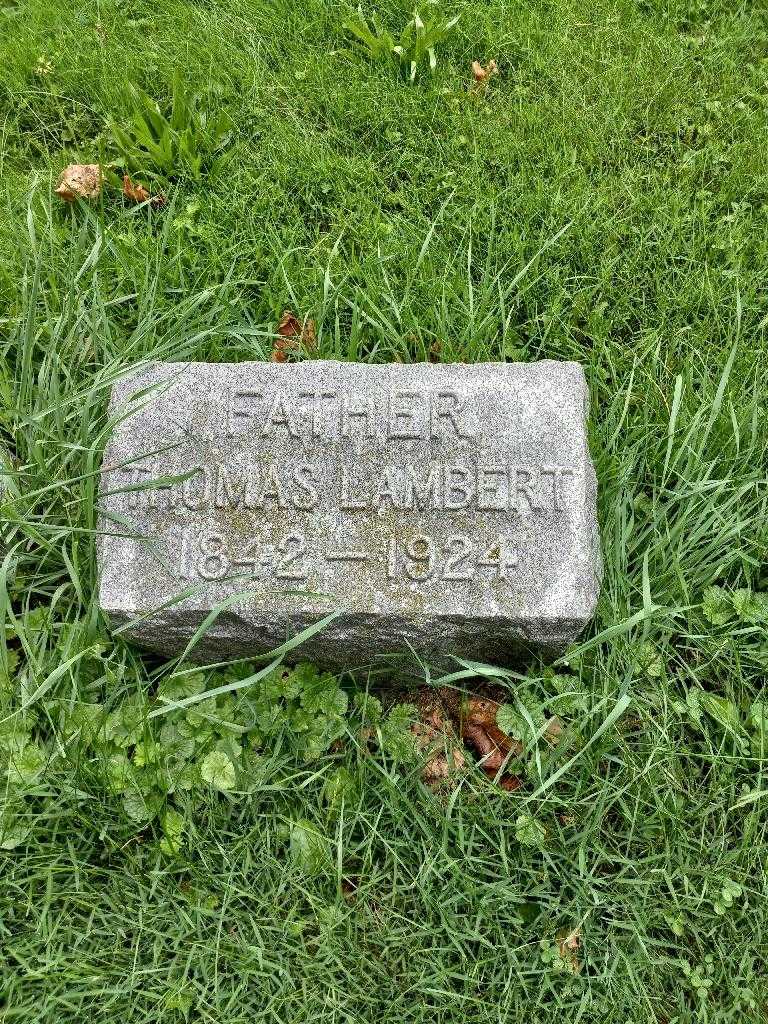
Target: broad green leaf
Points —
{"points": [[368, 707], [83, 722], [174, 825], [758, 716], [570, 698], [8, 670], [340, 788], [693, 704], [530, 832], [217, 770], [511, 722], [722, 710], [124, 725], [397, 739], [141, 807], [716, 606], [14, 735], [181, 685], [750, 606], [27, 765], [13, 828], [118, 772], [334, 702], [147, 752], [309, 848], [648, 660]]}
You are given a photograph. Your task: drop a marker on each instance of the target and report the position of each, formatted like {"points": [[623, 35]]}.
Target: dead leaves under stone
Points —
{"points": [[437, 742], [447, 724], [494, 747]]}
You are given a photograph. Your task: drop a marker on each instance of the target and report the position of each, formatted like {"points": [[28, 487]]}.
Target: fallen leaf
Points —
{"points": [[446, 718], [509, 782], [479, 711], [479, 729], [482, 75], [293, 337], [436, 740], [478, 738], [568, 944], [79, 181], [349, 887], [136, 193], [553, 730]]}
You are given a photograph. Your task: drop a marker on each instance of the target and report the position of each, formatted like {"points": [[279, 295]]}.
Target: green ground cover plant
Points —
{"points": [[257, 841]]}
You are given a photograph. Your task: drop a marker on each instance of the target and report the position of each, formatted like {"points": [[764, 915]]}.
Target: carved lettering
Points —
{"points": [[230, 488], [272, 489], [357, 412], [431, 415], [492, 487], [459, 487], [241, 406], [348, 500], [405, 412], [447, 406], [388, 489], [306, 478], [322, 422], [423, 492], [525, 490], [195, 490], [280, 415], [415, 498]]}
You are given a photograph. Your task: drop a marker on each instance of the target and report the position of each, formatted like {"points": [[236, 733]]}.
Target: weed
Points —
{"points": [[188, 142], [411, 49]]}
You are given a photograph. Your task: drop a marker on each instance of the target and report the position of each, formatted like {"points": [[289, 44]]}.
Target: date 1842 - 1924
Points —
{"points": [[211, 556]]}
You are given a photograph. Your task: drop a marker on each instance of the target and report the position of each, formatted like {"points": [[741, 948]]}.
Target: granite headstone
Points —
{"points": [[440, 509]]}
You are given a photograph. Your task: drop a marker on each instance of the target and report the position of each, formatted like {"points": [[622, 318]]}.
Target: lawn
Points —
{"points": [[602, 197]]}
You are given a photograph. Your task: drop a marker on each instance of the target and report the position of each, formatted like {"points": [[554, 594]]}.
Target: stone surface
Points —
{"points": [[444, 509]]}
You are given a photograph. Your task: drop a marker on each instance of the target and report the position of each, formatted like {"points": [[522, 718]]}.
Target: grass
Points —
{"points": [[604, 200]]}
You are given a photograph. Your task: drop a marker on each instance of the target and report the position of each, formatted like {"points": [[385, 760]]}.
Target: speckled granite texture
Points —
{"points": [[445, 510]]}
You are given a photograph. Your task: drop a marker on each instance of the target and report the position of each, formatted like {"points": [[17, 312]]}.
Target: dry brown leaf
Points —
{"points": [[479, 729], [568, 944], [349, 887], [482, 75], [293, 337], [510, 782], [437, 741], [443, 759], [79, 181], [480, 710], [135, 192], [445, 720], [492, 757], [553, 730]]}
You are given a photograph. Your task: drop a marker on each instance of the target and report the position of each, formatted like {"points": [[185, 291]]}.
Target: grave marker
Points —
{"points": [[443, 509]]}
